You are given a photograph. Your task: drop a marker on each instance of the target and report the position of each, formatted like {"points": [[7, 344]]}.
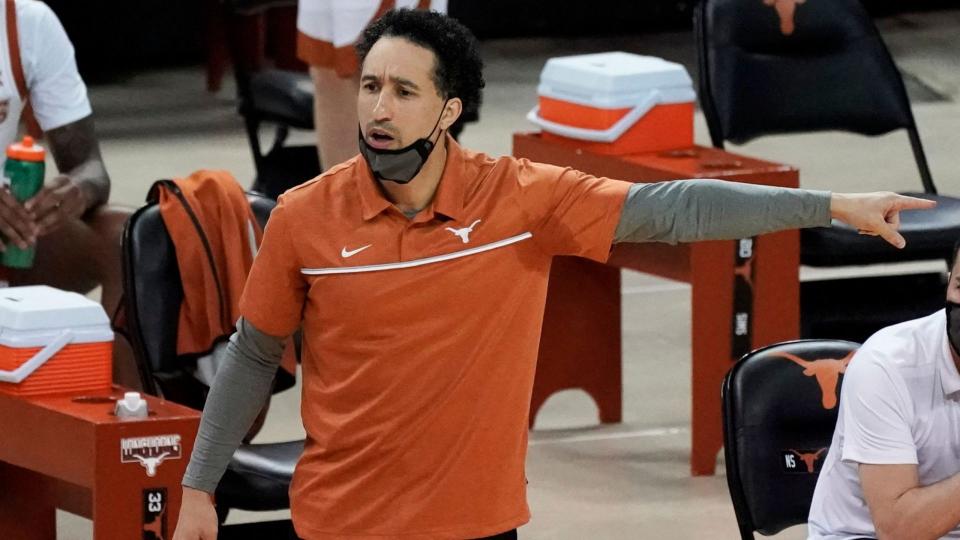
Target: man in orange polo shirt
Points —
{"points": [[418, 272]]}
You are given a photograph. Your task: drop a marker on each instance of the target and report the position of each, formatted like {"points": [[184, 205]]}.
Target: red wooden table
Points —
{"points": [[71, 452], [581, 347]]}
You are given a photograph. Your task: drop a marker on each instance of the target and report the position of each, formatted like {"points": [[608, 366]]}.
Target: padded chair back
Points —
{"points": [[152, 298], [779, 410], [788, 67]]}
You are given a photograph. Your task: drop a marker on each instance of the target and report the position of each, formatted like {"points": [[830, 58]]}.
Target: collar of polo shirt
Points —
{"points": [[447, 201]]}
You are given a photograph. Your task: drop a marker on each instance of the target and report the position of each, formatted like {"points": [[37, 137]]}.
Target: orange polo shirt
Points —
{"points": [[420, 338]]}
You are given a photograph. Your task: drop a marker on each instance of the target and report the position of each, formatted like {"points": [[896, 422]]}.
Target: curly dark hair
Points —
{"points": [[458, 70]]}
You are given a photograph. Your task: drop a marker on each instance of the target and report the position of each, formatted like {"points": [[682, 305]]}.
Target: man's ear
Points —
{"points": [[451, 112]]}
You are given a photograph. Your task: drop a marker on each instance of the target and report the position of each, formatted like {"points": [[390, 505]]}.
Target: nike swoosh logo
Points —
{"points": [[347, 254]]}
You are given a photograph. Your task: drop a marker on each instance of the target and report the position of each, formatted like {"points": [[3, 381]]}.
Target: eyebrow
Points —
{"points": [[396, 80]]}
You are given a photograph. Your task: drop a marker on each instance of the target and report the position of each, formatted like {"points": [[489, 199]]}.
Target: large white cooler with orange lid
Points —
{"points": [[616, 103], [53, 342]]}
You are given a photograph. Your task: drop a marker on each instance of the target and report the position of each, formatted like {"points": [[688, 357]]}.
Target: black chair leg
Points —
{"points": [[921, 158]]}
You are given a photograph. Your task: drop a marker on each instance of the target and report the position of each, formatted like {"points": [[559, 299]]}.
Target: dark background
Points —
{"points": [[116, 36]]}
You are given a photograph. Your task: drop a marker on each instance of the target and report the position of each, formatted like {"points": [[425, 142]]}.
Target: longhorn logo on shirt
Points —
{"points": [[809, 459], [150, 452], [827, 372], [786, 9], [464, 233]]}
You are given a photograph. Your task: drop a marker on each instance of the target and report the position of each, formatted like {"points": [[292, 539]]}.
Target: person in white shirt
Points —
{"points": [[76, 234], [892, 468]]}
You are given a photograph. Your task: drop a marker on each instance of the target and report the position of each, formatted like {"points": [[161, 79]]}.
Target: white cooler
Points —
{"points": [[53, 342], [616, 103]]}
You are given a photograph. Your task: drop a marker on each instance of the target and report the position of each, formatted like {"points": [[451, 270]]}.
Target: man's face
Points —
{"points": [[398, 101], [953, 286]]}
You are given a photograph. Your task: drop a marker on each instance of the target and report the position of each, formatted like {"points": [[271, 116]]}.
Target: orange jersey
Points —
{"points": [[420, 337]]}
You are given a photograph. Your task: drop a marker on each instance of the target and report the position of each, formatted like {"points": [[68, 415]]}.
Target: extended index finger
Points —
{"points": [[905, 202]]}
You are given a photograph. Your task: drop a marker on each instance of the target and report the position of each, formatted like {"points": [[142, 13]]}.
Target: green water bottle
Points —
{"points": [[24, 174]]}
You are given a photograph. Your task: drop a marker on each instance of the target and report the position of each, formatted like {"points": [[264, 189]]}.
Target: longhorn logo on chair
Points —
{"points": [[808, 458], [786, 9], [827, 372]]}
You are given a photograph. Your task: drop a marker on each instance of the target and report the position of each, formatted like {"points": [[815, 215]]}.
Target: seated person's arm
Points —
{"points": [[878, 414], [82, 184], [902, 508], [62, 109]]}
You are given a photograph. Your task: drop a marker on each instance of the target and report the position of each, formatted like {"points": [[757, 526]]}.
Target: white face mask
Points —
{"points": [[403, 164]]}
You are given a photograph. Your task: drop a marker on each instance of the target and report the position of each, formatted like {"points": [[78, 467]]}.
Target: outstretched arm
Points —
{"points": [[691, 210]]}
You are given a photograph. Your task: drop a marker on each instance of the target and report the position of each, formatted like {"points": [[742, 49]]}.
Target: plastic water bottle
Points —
{"points": [[23, 172], [131, 406]]}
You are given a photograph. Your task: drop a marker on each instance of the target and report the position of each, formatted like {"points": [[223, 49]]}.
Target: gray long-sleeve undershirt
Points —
{"points": [[689, 210], [242, 385], [678, 211]]}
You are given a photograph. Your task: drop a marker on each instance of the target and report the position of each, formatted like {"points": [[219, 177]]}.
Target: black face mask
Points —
{"points": [[403, 164], [953, 325]]}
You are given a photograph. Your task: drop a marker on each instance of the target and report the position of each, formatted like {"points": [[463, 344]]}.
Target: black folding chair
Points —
{"points": [[258, 477], [825, 67], [779, 410]]}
